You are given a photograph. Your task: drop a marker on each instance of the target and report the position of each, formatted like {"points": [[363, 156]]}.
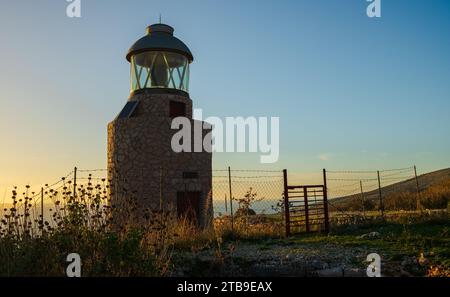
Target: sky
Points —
{"points": [[351, 92]]}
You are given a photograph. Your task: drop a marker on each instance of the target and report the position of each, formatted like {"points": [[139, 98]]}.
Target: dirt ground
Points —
{"points": [[406, 250]]}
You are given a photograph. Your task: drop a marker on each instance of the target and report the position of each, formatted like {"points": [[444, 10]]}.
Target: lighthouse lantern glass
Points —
{"points": [[159, 69]]}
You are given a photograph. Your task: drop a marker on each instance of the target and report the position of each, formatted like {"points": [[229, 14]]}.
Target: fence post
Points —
{"points": [[286, 205], [25, 217], [231, 199], [325, 202], [362, 199], [226, 204], [305, 196], [75, 182], [418, 206], [380, 195], [42, 210]]}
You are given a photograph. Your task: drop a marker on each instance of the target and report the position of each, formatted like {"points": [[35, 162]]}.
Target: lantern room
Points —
{"points": [[159, 60]]}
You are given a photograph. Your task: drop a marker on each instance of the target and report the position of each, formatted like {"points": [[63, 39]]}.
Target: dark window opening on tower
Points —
{"points": [[128, 110], [190, 175], [177, 109]]}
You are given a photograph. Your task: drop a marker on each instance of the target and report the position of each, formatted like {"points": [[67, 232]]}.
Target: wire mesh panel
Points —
{"points": [[255, 204], [257, 192], [355, 195]]}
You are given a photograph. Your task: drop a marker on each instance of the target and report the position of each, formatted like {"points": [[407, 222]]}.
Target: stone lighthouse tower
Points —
{"points": [[141, 162]]}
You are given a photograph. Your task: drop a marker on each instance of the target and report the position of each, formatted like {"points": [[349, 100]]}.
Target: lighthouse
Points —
{"points": [[142, 165]]}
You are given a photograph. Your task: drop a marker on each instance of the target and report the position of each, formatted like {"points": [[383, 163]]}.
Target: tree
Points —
{"points": [[246, 202]]}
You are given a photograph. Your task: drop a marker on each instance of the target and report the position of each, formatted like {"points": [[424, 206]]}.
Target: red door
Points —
{"points": [[188, 206]]}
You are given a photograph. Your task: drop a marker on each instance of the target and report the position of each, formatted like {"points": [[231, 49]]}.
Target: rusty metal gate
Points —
{"points": [[306, 207]]}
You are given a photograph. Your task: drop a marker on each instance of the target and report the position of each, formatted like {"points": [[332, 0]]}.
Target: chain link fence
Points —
{"points": [[248, 201], [251, 200], [388, 194]]}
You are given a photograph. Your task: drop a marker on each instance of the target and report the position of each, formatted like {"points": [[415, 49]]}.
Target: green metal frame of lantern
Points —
{"points": [[159, 69]]}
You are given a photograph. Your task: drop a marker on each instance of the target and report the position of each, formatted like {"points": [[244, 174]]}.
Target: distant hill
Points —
{"points": [[427, 182]]}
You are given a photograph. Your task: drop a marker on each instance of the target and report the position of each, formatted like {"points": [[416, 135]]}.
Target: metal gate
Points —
{"points": [[306, 208]]}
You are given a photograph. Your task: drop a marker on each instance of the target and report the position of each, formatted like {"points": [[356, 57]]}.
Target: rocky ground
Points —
{"points": [[403, 253], [274, 260]]}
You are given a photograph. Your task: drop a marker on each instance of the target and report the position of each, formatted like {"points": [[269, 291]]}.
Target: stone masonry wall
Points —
{"points": [[142, 162]]}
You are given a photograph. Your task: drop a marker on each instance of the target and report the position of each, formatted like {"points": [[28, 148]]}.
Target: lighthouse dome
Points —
{"points": [[159, 38]]}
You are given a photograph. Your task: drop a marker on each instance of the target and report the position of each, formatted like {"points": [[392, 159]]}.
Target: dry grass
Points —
{"points": [[128, 240], [112, 240]]}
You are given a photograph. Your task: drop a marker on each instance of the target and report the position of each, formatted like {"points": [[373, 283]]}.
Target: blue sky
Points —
{"points": [[351, 92]]}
